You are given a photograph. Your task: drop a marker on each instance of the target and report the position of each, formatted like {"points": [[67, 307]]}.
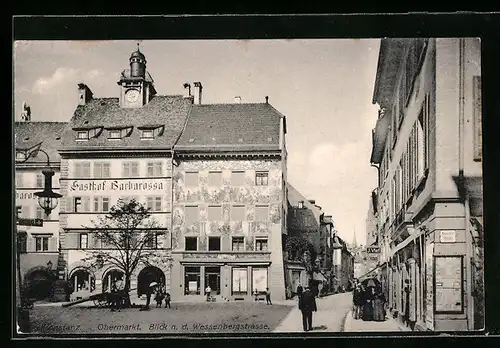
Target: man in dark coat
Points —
{"points": [[307, 305], [299, 291]]}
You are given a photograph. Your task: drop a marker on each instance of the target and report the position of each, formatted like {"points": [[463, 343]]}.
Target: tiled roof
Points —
{"points": [[29, 134], [225, 127], [167, 111]]}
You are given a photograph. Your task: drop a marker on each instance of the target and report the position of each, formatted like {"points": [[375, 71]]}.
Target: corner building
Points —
{"points": [[427, 145], [229, 202], [118, 148]]}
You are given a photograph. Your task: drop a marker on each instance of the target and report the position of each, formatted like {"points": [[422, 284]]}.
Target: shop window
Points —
{"points": [[192, 281], [259, 279], [238, 244], [240, 281], [191, 244], [261, 178], [213, 243]]}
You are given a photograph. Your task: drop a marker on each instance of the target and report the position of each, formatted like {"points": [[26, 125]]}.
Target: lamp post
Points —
{"points": [[48, 200]]}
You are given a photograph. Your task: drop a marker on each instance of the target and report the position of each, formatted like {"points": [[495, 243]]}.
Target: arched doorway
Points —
{"points": [[82, 280], [110, 278], [146, 276], [38, 284]]}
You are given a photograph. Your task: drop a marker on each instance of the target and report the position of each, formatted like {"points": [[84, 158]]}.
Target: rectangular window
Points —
{"points": [[151, 240], [215, 179], [261, 178], [101, 204], [261, 244], [191, 179], [192, 215], [83, 135], [82, 170], [237, 178], [238, 244], [101, 170], [262, 213], [155, 169], [147, 134], [301, 205], [213, 243], [240, 281], [84, 240], [477, 115], [41, 243], [40, 180], [191, 243], [115, 134], [215, 213], [131, 169], [237, 213], [154, 203]]}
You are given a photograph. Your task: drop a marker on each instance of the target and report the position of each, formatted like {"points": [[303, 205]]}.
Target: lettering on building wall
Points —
{"points": [[25, 195], [117, 185]]}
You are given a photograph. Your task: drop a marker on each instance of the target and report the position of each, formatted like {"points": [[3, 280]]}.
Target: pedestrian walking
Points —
{"points": [[379, 306], [299, 291], [256, 295], [356, 302], [368, 303], [268, 297], [307, 306], [159, 296], [407, 303], [120, 293], [208, 292], [167, 300]]}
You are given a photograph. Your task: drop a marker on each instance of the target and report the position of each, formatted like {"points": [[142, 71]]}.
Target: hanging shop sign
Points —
{"points": [[448, 284]]}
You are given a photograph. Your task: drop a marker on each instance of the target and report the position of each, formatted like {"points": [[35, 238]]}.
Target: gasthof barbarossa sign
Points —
{"points": [[117, 185]]}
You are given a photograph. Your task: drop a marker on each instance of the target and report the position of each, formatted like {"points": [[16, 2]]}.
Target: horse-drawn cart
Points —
{"points": [[103, 299]]}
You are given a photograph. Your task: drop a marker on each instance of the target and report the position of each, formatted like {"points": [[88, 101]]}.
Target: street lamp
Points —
{"points": [[48, 200]]}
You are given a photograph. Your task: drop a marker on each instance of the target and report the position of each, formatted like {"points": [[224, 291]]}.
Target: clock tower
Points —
{"points": [[136, 83]]}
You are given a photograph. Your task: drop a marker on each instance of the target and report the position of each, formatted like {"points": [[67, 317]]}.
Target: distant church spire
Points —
{"points": [[354, 242]]}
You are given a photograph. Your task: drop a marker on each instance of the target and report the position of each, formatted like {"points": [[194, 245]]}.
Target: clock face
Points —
{"points": [[132, 96]]}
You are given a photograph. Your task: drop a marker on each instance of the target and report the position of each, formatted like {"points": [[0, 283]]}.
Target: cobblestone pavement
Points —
{"points": [[330, 316], [182, 318]]}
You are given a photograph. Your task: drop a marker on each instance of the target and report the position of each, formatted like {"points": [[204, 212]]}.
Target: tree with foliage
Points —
{"points": [[300, 249], [130, 237]]}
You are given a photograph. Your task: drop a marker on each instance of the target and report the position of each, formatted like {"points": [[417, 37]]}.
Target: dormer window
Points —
{"points": [[301, 204], [83, 135], [115, 134], [151, 131], [147, 134]]}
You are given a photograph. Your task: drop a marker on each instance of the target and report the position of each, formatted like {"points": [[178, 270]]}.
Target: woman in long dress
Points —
{"points": [[368, 303], [378, 306]]}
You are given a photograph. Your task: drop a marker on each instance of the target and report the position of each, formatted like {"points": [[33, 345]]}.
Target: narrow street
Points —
{"points": [[330, 316]]}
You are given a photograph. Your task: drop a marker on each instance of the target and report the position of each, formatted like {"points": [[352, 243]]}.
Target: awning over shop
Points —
{"points": [[379, 137], [406, 242], [320, 277]]}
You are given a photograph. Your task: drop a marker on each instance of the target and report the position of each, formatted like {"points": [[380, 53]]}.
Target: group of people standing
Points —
{"points": [[369, 301]]}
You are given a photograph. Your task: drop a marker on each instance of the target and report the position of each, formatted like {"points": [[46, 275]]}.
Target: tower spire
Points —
{"points": [[354, 243]]}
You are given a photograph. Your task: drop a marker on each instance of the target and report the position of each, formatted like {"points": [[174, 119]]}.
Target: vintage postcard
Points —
{"points": [[180, 187]]}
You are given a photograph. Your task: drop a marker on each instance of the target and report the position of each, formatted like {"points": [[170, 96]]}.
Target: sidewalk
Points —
{"points": [[358, 325], [326, 319]]}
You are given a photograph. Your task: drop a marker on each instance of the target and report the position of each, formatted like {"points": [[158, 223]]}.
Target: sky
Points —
{"points": [[324, 87]]}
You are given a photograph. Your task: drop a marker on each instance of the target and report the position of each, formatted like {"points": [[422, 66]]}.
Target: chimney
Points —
{"points": [[200, 88], [84, 94], [237, 99], [267, 99]]}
